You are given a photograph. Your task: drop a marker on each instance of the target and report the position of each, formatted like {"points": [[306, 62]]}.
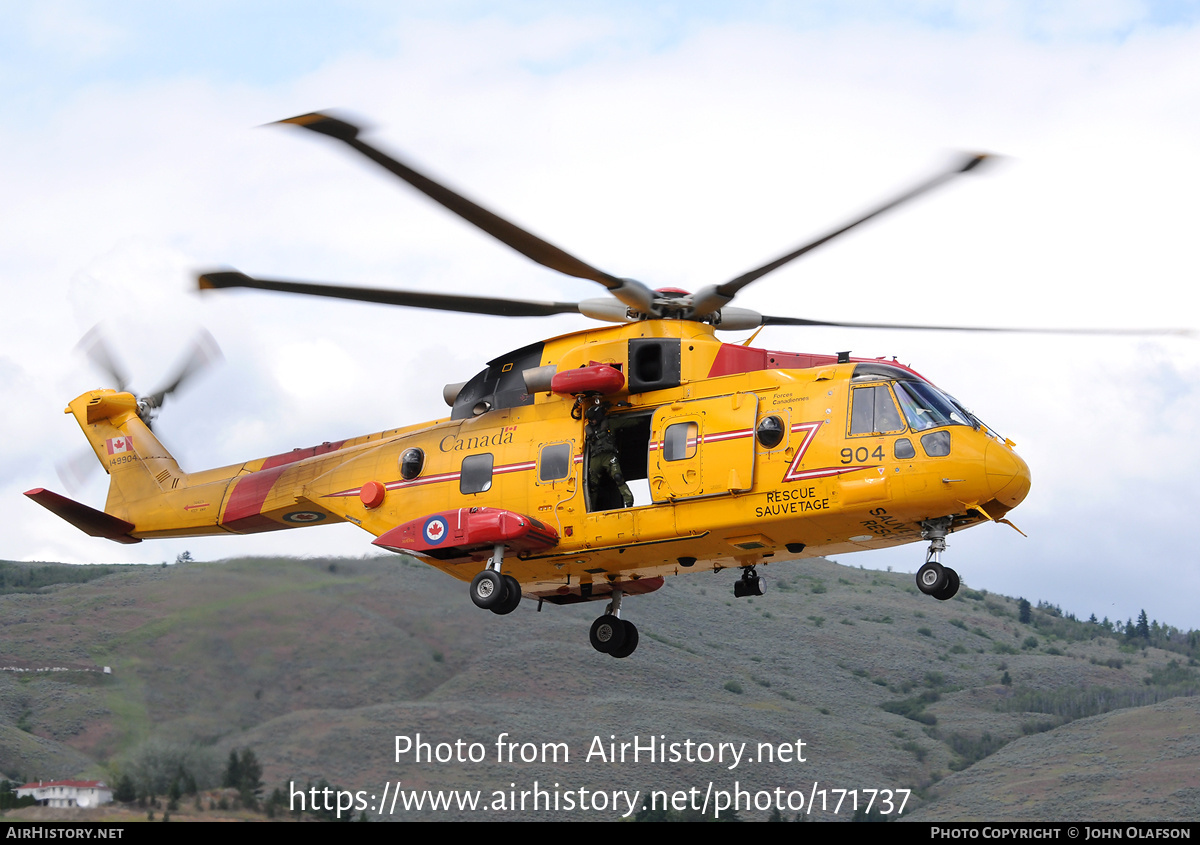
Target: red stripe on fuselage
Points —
{"points": [[244, 509], [249, 493], [300, 454]]}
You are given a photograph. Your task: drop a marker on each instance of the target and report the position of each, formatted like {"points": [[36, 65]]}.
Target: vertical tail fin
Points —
{"points": [[137, 463]]}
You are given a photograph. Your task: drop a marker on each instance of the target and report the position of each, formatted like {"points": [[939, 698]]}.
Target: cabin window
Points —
{"points": [[554, 462], [873, 411], [412, 461], [936, 444], [903, 449], [476, 474], [679, 441]]}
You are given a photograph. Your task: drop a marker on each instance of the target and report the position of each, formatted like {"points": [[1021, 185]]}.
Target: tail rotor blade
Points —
{"points": [[203, 354], [75, 471], [96, 348]]}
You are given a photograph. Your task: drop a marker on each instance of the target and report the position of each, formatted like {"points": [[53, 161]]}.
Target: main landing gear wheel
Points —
{"points": [[608, 634], [931, 578], [488, 589], [631, 641], [512, 596], [952, 584]]}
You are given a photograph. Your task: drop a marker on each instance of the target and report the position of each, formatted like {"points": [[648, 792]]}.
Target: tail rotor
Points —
{"points": [[75, 471], [201, 355]]}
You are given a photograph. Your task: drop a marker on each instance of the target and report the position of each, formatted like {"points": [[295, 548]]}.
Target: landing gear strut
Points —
{"points": [[494, 591], [611, 634], [750, 584], [933, 579]]}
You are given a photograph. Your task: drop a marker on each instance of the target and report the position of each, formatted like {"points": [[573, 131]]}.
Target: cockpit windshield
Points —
{"points": [[927, 407]]}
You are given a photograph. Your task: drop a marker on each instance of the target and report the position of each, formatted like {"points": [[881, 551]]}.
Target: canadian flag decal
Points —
{"points": [[117, 445]]}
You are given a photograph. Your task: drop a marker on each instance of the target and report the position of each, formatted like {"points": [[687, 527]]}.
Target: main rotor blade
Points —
{"points": [[710, 299], [798, 321], [412, 299], [528, 244]]}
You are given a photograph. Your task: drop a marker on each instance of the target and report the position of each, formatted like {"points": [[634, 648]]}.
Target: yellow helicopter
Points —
{"points": [[591, 465]]}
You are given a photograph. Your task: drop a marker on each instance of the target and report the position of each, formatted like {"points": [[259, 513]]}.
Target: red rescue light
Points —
{"points": [[372, 494]]}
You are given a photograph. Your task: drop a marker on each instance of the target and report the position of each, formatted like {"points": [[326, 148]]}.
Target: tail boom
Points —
{"points": [[149, 495]]}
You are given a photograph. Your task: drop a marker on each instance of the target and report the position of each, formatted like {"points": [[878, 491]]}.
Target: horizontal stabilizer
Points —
{"points": [[90, 521]]}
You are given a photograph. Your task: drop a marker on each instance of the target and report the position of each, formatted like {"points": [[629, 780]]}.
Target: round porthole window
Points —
{"points": [[412, 461], [770, 432]]}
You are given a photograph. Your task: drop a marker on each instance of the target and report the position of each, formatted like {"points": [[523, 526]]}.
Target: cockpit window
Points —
{"points": [[936, 444], [874, 411], [927, 407]]}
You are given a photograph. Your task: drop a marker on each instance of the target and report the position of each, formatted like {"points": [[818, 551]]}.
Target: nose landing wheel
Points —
{"points": [[933, 579], [951, 588]]}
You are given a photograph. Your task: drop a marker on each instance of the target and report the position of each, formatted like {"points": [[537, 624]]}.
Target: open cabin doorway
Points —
{"points": [[631, 435]]}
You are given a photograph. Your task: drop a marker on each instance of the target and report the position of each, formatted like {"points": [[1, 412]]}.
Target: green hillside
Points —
{"points": [[318, 665]]}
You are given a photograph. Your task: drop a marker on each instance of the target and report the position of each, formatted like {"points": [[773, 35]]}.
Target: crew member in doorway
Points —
{"points": [[603, 462]]}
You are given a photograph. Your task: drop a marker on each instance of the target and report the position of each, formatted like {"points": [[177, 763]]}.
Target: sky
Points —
{"points": [[677, 143]]}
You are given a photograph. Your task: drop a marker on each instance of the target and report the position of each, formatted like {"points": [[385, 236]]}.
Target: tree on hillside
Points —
{"points": [[156, 764], [1024, 611], [244, 774], [1143, 626], [125, 791], [233, 772], [251, 784]]}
